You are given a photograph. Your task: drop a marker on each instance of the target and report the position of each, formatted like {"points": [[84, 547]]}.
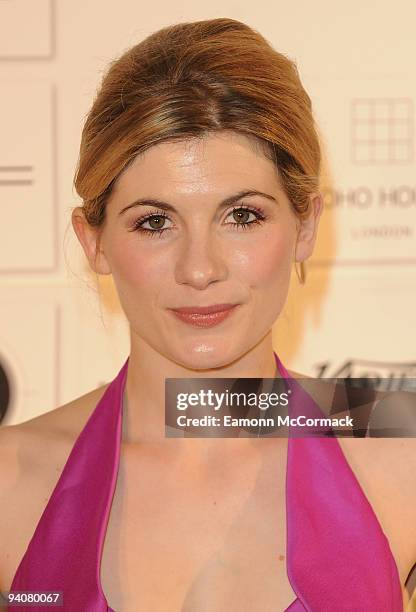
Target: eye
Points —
{"points": [[157, 221], [242, 215]]}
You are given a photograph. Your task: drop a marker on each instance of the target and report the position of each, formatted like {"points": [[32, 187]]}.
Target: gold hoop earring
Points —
{"points": [[301, 275]]}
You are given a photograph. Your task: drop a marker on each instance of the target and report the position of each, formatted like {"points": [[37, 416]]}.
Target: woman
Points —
{"points": [[199, 175]]}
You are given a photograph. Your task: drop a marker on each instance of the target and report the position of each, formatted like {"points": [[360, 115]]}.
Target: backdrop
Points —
{"points": [[62, 335]]}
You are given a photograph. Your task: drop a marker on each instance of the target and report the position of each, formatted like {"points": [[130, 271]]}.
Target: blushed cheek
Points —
{"points": [[266, 262], [139, 273]]}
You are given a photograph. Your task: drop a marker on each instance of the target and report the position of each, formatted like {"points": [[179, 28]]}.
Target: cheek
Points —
{"points": [[138, 272], [266, 261]]}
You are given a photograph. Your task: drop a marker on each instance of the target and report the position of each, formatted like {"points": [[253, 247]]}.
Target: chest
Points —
{"points": [[175, 541]]}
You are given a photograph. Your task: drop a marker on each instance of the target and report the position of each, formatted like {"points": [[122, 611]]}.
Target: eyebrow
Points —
{"points": [[223, 204]]}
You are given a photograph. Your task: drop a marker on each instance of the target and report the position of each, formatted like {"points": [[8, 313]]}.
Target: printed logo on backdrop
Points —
{"points": [[382, 131], [373, 199], [275, 407], [382, 375], [5, 392], [27, 175], [388, 377]]}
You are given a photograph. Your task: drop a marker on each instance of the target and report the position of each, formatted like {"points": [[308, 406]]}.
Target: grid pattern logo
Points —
{"points": [[382, 131]]}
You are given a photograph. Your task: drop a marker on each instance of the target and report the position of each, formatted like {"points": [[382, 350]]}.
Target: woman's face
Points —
{"points": [[207, 244]]}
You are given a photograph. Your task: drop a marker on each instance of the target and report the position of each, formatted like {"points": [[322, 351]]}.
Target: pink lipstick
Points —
{"points": [[205, 316]]}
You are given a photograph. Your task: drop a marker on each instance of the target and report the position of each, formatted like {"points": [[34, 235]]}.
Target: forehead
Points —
{"points": [[213, 163]]}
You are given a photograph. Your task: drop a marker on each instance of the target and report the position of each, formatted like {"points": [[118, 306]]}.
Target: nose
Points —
{"points": [[200, 261]]}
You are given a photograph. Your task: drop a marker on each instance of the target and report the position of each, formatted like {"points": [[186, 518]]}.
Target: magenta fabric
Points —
{"points": [[338, 558]]}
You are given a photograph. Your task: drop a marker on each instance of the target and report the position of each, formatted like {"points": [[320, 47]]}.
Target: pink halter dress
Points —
{"points": [[338, 558]]}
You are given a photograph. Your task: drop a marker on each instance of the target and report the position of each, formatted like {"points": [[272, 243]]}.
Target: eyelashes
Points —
{"points": [[242, 210]]}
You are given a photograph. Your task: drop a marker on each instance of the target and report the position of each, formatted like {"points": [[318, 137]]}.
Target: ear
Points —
{"points": [[89, 238], [308, 229]]}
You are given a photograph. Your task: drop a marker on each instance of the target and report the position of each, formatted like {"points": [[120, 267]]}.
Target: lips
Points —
{"points": [[204, 309], [204, 316]]}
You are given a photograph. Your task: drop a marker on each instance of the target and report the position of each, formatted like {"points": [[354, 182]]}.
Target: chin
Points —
{"points": [[206, 354]]}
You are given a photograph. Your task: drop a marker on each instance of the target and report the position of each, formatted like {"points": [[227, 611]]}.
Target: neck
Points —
{"points": [[144, 393]]}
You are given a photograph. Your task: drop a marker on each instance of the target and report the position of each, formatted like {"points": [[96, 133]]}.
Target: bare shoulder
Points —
{"points": [[27, 443], [32, 456], [58, 423], [392, 455], [386, 470], [384, 467], [389, 461]]}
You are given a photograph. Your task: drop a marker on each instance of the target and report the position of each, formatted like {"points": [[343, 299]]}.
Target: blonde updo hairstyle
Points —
{"points": [[191, 79]]}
